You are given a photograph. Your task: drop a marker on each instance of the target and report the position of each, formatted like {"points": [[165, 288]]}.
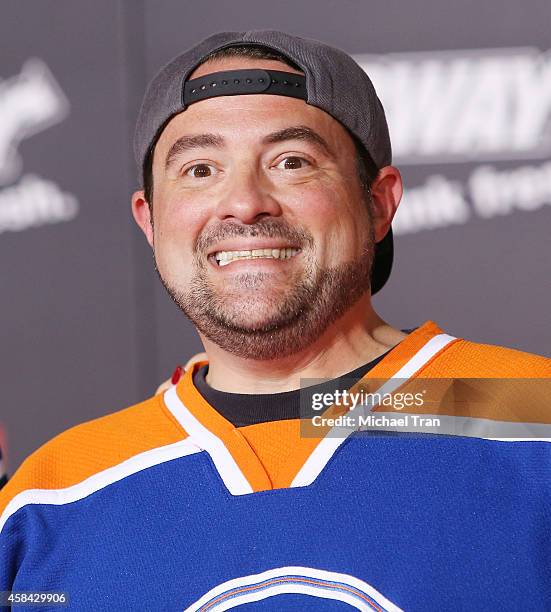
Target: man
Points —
{"points": [[268, 198]]}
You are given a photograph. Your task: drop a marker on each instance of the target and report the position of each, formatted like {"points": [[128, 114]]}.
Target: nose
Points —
{"points": [[247, 198]]}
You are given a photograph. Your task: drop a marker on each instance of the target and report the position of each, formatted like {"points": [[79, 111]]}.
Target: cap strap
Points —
{"points": [[242, 82]]}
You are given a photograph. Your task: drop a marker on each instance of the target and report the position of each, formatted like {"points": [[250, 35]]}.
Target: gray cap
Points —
{"points": [[333, 82]]}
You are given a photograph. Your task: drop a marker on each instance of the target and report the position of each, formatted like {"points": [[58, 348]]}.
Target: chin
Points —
{"points": [[253, 318]]}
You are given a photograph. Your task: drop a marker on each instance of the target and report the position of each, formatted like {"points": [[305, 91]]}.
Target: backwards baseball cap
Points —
{"points": [[332, 81]]}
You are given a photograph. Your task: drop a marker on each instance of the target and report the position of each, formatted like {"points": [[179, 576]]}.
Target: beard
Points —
{"points": [[250, 317]]}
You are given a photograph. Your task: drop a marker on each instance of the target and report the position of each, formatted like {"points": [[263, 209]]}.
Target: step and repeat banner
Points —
{"points": [[86, 327]]}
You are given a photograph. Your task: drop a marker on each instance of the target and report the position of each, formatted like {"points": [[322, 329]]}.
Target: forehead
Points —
{"points": [[251, 115], [237, 63]]}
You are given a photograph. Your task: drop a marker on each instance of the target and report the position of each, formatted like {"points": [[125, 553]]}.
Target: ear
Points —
{"points": [[142, 215], [386, 191]]}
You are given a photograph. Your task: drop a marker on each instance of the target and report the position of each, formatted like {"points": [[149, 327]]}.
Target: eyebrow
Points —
{"points": [[297, 132], [186, 143]]}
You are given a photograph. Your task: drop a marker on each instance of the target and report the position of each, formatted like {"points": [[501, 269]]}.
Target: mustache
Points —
{"points": [[264, 228]]}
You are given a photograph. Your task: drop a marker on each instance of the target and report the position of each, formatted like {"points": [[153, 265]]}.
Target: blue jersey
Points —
{"points": [[167, 506]]}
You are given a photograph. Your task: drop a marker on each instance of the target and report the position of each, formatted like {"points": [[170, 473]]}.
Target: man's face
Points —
{"points": [[265, 175]]}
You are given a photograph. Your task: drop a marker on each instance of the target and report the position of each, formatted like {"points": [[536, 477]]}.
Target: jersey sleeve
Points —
{"points": [[71, 459]]}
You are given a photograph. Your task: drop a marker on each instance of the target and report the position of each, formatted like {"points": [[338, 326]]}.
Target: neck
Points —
{"points": [[356, 338]]}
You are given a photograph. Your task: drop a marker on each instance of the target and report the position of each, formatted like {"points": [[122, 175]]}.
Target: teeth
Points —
{"points": [[226, 257]]}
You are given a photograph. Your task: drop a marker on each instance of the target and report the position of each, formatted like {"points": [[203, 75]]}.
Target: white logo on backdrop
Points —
{"points": [[468, 106], [30, 102]]}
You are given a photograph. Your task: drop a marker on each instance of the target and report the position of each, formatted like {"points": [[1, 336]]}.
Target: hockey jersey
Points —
{"points": [[167, 506]]}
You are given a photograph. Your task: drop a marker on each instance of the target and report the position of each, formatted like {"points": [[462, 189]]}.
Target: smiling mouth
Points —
{"points": [[224, 258]]}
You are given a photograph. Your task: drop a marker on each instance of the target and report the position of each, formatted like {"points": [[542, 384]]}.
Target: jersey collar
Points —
{"points": [[237, 464]]}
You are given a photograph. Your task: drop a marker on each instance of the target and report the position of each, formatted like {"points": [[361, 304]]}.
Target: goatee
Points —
{"points": [[298, 316]]}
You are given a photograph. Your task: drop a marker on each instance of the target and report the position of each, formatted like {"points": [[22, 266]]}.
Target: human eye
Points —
{"points": [[200, 171], [293, 162]]}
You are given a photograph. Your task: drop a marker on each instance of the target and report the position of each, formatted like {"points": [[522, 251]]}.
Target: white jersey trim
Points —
{"points": [[294, 579], [229, 471], [518, 439], [466, 427], [100, 480], [336, 436]]}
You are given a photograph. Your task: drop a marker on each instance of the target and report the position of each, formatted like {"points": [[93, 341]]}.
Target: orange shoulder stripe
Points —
{"points": [[466, 359], [92, 447]]}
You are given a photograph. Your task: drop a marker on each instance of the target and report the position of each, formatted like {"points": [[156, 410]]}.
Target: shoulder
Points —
{"points": [[491, 382], [93, 447], [467, 359], [440, 354]]}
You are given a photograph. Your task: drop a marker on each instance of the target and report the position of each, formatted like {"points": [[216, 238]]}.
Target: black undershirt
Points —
{"points": [[243, 409]]}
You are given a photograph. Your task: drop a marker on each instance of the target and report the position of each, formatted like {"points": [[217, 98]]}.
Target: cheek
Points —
{"points": [[336, 219], [177, 224], [175, 212], [313, 205]]}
